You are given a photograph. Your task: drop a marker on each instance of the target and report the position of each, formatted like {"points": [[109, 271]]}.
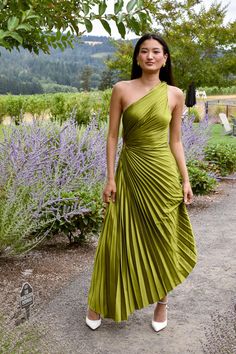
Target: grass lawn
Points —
{"points": [[218, 136]]}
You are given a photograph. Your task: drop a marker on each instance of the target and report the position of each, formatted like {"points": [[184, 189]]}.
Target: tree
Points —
{"points": [[121, 62], [37, 25], [107, 80], [85, 78], [199, 40], [202, 45]]}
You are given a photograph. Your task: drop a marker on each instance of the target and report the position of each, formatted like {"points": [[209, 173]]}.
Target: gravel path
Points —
{"points": [[201, 315]]}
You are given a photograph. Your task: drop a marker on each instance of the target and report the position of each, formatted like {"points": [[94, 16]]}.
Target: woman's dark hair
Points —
{"points": [[165, 72]]}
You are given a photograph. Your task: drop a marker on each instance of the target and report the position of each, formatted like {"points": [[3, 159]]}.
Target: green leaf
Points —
{"points": [[68, 34], [143, 17], [85, 221], [131, 4], [88, 25], [139, 3], [31, 17], [12, 23], [16, 36], [71, 44], [58, 35], [4, 34], [102, 8], [85, 9], [134, 24], [27, 15], [74, 27], [120, 18], [106, 26], [5, 45], [121, 29], [24, 26], [118, 6], [3, 4]]}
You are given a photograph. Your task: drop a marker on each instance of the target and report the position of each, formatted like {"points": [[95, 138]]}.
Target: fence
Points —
{"points": [[225, 106]]}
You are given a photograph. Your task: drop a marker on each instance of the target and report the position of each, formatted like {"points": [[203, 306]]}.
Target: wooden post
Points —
{"points": [[227, 111]]}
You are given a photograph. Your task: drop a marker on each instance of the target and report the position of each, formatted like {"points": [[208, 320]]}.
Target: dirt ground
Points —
{"points": [[201, 315], [47, 269]]}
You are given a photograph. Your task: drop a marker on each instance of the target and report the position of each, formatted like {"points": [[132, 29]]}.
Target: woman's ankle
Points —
{"points": [[92, 315], [164, 300]]}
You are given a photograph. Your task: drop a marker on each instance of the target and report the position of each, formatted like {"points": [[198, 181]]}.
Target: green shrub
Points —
{"points": [[101, 105], [38, 105], [194, 112], [202, 181], [61, 218], [223, 156], [58, 109], [86, 104], [15, 108], [54, 88], [82, 106], [60, 106], [2, 110], [215, 90]]}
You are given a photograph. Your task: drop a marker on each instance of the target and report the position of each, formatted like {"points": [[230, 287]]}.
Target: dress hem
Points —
{"points": [[145, 304]]}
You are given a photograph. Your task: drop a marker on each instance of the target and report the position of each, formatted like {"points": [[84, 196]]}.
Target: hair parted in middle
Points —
{"points": [[165, 71]]}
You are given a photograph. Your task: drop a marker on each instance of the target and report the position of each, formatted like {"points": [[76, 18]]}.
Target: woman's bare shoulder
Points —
{"points": [[175, 91], [122, 89], [121, 85]]}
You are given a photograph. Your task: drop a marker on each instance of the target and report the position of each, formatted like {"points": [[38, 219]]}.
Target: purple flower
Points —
{"points": [[194, 137]]}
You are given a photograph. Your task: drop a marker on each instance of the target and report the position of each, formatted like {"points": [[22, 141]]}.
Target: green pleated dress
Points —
{"points": [[146, 247]]}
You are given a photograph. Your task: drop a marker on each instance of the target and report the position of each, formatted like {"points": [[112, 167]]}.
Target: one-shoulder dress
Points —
{"points": [[146, 246]]}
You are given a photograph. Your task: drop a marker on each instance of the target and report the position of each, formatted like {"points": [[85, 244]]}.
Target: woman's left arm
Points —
{"points": [[176, 145]]}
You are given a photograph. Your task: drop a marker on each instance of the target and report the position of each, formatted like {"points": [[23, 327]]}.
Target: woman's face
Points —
{"points": [[151, 56]]}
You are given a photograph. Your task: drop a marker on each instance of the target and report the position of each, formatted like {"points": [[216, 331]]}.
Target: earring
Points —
{"points": [[164, 64], [138, 63]]}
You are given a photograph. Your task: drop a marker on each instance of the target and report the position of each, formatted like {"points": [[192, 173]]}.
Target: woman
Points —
{"points": [[147, 246]]}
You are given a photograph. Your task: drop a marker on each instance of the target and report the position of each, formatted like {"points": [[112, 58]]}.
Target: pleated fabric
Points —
{"points": [[146, 246]]}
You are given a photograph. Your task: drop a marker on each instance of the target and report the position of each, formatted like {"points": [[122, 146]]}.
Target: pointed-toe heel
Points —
{"points": [[93, 324], [158, 326]]}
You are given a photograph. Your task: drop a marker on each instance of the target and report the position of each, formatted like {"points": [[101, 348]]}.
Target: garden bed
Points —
{"points": [[47, 269]]}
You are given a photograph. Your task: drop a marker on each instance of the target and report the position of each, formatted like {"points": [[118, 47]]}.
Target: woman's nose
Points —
{"points": [[149, 55]]}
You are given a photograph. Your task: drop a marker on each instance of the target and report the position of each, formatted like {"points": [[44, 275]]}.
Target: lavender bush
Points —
{"points": [[52, 177], [41, 164], [194, 137]]}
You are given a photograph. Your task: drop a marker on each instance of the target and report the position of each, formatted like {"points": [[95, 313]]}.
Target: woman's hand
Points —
{"points": [[109, 192], [188, 194]]}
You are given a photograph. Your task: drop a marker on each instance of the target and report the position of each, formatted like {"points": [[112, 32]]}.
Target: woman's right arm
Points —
{"points": [[112, 139]]}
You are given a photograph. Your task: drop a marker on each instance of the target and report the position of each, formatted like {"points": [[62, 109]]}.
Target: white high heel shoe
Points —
{"points": [[93, 324], [158, 326]]}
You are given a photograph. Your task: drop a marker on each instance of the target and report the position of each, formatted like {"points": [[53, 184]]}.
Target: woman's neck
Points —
{"points": [[150, 80]]}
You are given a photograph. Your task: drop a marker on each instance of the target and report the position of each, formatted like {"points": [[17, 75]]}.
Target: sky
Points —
{"points": [[99, 31]]}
